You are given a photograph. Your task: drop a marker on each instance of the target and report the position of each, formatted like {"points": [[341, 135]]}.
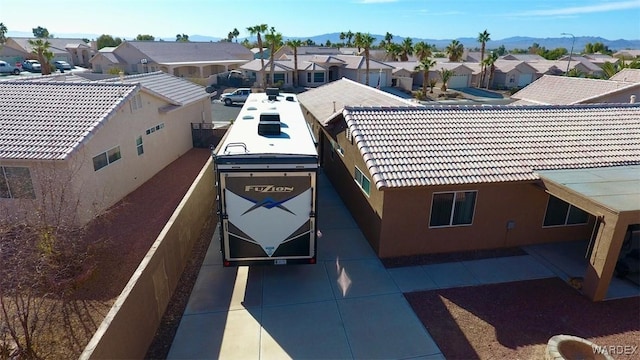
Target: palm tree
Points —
{"points": [[235, 33], [295, 44], [393, 51], [608, 70], [41, 50], [407, 49], [388, 37], [424, 65], [358, 40], [445, 75], [483, 37], [274, 40], [386, 41], [490, 61], [257, 30], [422, 50], [3, 33], [364, 41], [432, 84], [348, 36], [455, 50], [575, 72]]}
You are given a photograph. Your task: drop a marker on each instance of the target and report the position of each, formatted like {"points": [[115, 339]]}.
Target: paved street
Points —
{"points": [[223, 115]]}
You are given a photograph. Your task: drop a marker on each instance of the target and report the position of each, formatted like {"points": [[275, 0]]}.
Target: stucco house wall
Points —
{"points": [[97, 190], [170, 139], [506, 215], [365, 209], [382, 215], [148, 130]]}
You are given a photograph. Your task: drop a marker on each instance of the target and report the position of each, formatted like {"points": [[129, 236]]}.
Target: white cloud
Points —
{"points": [[604, 7]]}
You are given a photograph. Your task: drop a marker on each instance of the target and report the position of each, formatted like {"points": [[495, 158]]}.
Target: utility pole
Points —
{"points": [[571, 52]]}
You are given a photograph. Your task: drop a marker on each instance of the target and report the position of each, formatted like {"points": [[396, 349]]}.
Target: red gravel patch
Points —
{"points": [[129, 228], [515, 320]]}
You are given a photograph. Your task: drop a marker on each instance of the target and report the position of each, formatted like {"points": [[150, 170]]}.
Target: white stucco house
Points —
{"points": [[70, 147]]}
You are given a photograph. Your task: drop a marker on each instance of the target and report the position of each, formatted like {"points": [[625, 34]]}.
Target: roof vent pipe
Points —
{"points": [[633, 99]]}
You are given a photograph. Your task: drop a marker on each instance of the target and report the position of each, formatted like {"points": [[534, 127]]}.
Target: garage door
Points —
{"points": [[459, 81], [524, 80], [373, 79]]}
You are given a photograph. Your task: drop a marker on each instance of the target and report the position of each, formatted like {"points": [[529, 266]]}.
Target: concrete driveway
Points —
{"points": [[347, 306]]}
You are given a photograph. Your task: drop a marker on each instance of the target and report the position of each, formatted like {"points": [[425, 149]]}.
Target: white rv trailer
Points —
{"points": [[266, 169]]}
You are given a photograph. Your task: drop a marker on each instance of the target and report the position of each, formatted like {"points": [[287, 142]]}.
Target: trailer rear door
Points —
{"points": [[268, 216]]}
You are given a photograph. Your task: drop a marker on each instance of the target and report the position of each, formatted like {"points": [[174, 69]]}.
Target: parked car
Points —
{"points": [[62, 65], [6, 68], [31, 65], [239, 95]]}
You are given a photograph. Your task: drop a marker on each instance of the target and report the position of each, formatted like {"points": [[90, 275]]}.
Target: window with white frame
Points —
{"points": [[139, 146], [363, 181], [318, 77], [308, 77], [106, 158], [278, 77], [452, 208], [15, 183], [561, 213]]}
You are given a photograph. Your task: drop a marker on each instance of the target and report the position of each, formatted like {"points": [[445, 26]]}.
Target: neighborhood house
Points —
{"points": [[435, 179], [84, 145]]}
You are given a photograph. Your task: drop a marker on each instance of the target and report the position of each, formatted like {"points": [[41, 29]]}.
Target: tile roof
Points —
{"points": [[327, 100], [448, 145], [173, 89], [57, 45], [111, 56], [627, 75], [565, 90], [508, 65], [172, 51], [523, 57], [547, 67], [49, 120], [280, 65]]}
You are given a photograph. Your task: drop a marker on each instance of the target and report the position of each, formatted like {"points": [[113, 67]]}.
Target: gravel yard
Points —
{"points": [[515, 320]]}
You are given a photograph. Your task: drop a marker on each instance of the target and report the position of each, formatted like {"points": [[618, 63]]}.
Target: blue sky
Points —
{"points": [[443, 19]]}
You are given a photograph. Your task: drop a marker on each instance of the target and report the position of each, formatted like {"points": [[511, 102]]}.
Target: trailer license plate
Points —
{"points": [[280, 262]]}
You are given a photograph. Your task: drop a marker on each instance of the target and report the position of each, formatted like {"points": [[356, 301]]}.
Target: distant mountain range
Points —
{"points": [[515, 42]]}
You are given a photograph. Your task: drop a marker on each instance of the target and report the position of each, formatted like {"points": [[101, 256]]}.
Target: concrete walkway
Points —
{"points": [[347, 306]]}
